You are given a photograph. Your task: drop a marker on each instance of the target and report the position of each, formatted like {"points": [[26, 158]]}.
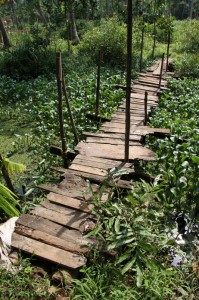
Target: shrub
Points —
{"points": [[111, 36]]}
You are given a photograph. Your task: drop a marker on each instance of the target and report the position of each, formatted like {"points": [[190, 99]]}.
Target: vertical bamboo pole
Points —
{"points": [[98, 82], [162, 63], [168, 46], [69, 111], [142, 46], [145, 107], [128, 78], [60, 108]]}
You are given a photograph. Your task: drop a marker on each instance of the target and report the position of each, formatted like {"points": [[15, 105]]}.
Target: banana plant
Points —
{"points": [[8, 199]]}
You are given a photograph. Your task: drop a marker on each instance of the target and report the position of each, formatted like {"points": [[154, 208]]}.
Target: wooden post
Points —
{"points": [[98, 82], [60, 108], [168, 46], [128, 79], [69, 110], [142, 45], [145, 108], [154, 32], [162, 63]]}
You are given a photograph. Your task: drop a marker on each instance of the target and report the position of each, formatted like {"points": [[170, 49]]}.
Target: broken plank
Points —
{"points": [[50, 253], [70, 202]]}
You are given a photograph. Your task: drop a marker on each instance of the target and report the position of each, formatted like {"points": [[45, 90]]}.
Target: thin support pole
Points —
{"points": [[168, 46], [69, 110], [154, 32], [100, 57], [145, 108], [161, 70], [128, 79], [60, 107], [142, 46]]}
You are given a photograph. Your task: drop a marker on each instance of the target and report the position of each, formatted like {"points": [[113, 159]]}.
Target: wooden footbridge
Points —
{"points": [[55, 229]]}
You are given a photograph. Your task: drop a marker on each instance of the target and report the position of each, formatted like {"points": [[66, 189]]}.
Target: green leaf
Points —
{"points": [[195, 159], [119, 243], [139, 274], [129, 265]]}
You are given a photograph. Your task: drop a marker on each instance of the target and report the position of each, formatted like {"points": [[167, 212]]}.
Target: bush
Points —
{"points": [[112, 37], [31, 58]]}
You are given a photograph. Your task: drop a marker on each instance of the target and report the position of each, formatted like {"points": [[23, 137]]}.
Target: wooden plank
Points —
{"points": [[51, 240], [70, 202], [88, 169], [107, 162], [139, 130], [144, 87], [99, 140], [47, 252], [49, 227], [64, 209], [135, 95], [114, 151], [112, 135], [73, 219], [74, 193]]}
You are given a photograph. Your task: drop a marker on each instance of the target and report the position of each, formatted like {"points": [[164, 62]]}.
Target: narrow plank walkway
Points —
{"points": [[55, 229]]}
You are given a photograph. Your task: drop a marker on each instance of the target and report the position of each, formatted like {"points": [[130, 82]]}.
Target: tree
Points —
{"points": [[6, 41], [4, 34]]}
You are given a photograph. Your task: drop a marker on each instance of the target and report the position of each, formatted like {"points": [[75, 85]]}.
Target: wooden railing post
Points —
{"points": [[145, 107], [128, 79], [161, 70], [60, 107]]}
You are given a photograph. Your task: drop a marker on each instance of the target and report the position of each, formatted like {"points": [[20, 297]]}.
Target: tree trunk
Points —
{"points": [[6, 40], [191, 9], [73, 28]]}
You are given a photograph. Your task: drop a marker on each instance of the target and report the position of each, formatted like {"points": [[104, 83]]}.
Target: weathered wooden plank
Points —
{"points": [[106, 162], [51, 240], [74, 220], [88, 169], [44, 251], [135, 95], [73, 193], [144, 87], [99, 140], [139, 130], [114, 151], [49, 227], [113, 135], [64, 209], [70, 202]]}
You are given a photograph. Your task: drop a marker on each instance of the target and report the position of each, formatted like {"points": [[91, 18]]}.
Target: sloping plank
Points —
{"points": [[74, 220], [49, 227], [114, 151], [70, 202], [53, 254], [49, 239]]}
